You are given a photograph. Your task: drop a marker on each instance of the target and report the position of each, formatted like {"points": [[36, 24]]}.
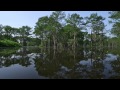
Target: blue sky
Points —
{"points": [[21, 18]]}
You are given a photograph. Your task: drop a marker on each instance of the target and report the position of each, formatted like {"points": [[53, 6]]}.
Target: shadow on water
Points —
{"points": [[82, 63]]}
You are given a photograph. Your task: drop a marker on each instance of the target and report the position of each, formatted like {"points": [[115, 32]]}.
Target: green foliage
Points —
{"points": [[96, 23], [115, 20], [74, 19], [48, 29], [8, 43], [41, 46], [115, 15], [24, 32]]}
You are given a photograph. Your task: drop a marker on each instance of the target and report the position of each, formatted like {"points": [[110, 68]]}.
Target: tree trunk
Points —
{"points": [[49, 43], [42, 40], [91, 39], [74, 39], [54, 42]]}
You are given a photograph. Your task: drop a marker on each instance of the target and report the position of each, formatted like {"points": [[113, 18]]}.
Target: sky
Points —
{"points": [[22, 18]]}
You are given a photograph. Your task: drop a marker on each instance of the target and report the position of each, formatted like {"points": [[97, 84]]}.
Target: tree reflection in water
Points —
{"points": [[11, 56], [83, 63]]}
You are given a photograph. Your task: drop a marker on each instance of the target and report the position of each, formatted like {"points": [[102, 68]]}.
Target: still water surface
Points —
{"points": [[36, 63]]}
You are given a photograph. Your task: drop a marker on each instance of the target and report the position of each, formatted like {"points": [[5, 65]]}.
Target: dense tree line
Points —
{"points": [[60, 31]]}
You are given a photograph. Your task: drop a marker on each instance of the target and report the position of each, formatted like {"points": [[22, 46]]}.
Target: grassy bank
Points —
{"points": [[8, 43]]}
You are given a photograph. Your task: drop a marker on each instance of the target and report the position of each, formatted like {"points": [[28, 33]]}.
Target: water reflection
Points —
{"points": [[82, 63]]}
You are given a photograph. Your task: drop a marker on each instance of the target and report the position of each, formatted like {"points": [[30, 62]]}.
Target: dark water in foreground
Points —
{"points": [[36, 63]]}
